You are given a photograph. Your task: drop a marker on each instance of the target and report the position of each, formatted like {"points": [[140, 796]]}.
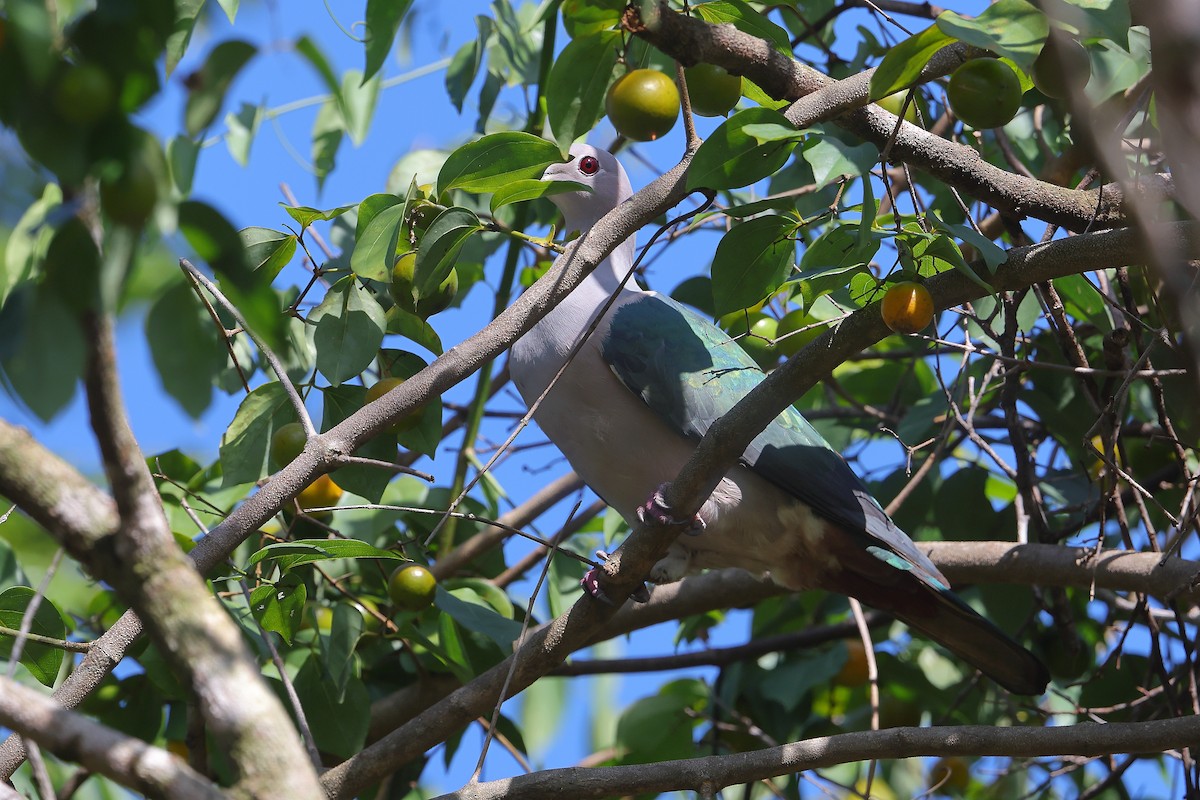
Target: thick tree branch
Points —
{"points": [[817, 97], [127, 760], [706, 776]]}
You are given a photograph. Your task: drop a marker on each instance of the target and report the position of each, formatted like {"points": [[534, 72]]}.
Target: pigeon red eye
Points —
{"points": [[589, 165]]}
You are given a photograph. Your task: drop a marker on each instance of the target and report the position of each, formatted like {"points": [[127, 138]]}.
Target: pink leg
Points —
{"points": [[591, 584], [655, 511]]}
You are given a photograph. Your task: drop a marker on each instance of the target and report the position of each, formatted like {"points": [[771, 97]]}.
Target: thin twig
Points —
{"points": [[268, 354]]}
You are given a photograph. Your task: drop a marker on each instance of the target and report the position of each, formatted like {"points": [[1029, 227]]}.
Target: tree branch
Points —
{"points": [[706, 776], [129, 761], [816, 97]]}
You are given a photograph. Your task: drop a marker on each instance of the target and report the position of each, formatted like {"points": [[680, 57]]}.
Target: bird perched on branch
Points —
{"points": [[646, 385]]}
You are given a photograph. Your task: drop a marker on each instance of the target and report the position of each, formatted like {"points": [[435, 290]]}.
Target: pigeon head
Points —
{"points": [[600, 171]]}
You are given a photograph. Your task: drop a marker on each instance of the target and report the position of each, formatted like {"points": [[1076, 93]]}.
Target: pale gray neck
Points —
{"points": [[608, 274]]}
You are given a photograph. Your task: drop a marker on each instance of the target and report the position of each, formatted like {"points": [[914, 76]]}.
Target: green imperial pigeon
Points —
{"points": [[629, 410]]}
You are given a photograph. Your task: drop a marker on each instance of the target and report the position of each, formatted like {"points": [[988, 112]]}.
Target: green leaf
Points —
{"points": [[28, 242], [327, 132], [440, 246], [306, 215], [577, 85], [659, 727], [349, 326], [496, 160], [375, 245], [833, 259], [186, 348], [245, 443], [182, 153], [186, 12], [1012, 28], [42, 660], [47, 361], [267, 250], [993, 255], [279, 607], [312, 54], [774, 132], [209, 85], [464, 65], [306, 551], [338, 719], [831, 159], [215, 241], [359, 98], [902, 65], [478, 616], [413, 328], [731, 157], [230, 7], [745, 19], [751, 262], [383, 20], [218, 243], [242, 127], [519, 191]]}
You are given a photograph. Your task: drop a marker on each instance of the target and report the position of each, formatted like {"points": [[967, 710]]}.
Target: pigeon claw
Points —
{"points": [[591, 584], [655, 511]]}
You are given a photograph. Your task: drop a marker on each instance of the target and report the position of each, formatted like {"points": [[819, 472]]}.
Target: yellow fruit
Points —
{"points": [[712, 91], [412, 588], [1062, 68], [320, 493], [854, 671], [402, 288], [951, 774], [408, 421], [287, 443], [642, 105], [984, 93], [907, 307], [178, 749]]}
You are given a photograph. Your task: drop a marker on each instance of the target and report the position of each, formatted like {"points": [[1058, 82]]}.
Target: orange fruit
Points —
{"points": [[642, 105], [854, 671], [320, 493], [984, 93], [907, 307]]}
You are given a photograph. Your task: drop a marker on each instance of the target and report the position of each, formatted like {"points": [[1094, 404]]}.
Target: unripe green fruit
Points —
{"points": [[412, 588], [642, 105], [984, 93], [402, 288], [84, 94], [712, 91]]}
